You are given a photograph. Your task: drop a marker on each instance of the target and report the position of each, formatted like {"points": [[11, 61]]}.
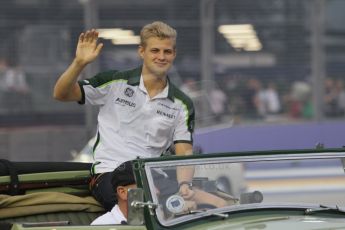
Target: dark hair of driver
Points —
{"points": [[123, 175]]}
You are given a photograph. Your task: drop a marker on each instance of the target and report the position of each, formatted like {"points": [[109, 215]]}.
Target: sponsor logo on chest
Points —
{"points": [[167, 111], [124, 102], [129, 92], [166, 114]]}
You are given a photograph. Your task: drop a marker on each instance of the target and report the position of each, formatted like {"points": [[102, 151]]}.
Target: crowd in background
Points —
{"points": [[251, 99], [334, 97], [15, 95], [232, 99]]}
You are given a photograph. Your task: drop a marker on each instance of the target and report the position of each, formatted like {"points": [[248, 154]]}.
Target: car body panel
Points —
{"points": [[271, 220]]}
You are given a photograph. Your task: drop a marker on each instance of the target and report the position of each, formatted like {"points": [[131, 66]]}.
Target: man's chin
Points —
{"points": [[160, 71]]}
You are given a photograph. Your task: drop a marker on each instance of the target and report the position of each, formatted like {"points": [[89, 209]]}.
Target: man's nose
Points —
{"points": [[161, 55]]}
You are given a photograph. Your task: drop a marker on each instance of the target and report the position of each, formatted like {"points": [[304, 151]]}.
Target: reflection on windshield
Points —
{"points": [[229, 186]]}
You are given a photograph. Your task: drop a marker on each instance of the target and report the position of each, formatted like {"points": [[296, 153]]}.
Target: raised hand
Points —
{"points": [[88, 49]]}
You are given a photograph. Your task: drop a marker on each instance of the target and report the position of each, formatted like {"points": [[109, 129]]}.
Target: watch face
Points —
{"points": [[175, 204]]}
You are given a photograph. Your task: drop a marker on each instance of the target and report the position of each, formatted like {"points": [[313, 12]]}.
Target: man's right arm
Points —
{"points": [[66, 87]]}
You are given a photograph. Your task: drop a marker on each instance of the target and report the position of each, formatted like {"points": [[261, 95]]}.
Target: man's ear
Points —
{"points": [[121, 192], [141, 51]]}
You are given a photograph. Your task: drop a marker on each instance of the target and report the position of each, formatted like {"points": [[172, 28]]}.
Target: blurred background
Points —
{"points": [[264, 75]]}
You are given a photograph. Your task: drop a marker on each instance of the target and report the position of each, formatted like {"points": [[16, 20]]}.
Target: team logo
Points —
{"points": [[129, 92]]}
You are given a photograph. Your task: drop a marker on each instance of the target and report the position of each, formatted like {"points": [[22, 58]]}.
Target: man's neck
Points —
{"points": [[153, 84], [123, 208]]}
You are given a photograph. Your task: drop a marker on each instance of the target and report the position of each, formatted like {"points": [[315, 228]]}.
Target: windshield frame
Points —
{"points": [[230, 158]]}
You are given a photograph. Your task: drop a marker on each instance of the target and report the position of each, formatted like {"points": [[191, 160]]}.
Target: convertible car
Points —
{"points": [[299, 189]]}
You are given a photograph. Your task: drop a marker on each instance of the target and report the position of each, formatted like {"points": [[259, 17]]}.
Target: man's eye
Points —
{"points": [[154, 51]]}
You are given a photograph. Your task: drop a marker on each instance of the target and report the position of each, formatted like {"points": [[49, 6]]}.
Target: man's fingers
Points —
{"points": [[92, 36], [186, 193], [81, 37], [99, 47], [86, 34], [89, 36], [189, 195], [95, 35]]}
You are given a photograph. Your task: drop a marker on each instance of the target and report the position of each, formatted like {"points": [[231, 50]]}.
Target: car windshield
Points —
{"points": [[225, 184]]}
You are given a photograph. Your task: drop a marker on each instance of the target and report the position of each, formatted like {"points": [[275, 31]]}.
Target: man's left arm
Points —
{"points": [[184, 173], [183, 142]]}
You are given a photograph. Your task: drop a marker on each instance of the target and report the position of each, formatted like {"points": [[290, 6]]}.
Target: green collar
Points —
{"points": [[134, 76]]}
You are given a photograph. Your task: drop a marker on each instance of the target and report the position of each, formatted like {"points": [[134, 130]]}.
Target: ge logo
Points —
{"points": [[129, 92]]}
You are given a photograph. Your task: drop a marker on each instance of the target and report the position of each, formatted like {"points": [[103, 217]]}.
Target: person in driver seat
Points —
{"points": [[122, 180]]}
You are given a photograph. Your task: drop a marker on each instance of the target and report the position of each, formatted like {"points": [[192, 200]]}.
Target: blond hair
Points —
{"points": [[159, 30]]}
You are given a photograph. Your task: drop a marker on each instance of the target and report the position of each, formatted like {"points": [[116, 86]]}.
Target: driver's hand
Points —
{"points": [[186, 192]]}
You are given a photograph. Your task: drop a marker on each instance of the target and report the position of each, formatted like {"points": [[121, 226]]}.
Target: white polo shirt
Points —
{"points": [[115, 216], [130, 123]]}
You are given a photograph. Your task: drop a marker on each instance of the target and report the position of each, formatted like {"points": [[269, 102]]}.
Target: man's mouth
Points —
{"points": [[161, 64]]}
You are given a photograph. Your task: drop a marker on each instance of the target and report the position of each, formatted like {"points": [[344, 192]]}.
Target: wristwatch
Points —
{"points": [[189, 183]]}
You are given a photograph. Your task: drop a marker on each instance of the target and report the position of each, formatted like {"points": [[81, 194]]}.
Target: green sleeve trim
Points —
{"points": [[82, 101], [96, 143], [93, 172], [183, 141]]}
